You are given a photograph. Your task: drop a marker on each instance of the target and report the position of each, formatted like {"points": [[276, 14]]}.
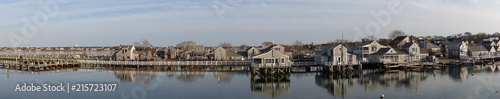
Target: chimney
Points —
{"points": [[411, 38]]}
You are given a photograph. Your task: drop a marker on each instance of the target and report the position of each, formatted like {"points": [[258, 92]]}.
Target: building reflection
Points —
{"points": [[136, 77], [338, 85], [335, 84], [222, 77], [40, 72], [189, 77], [270, 86]]}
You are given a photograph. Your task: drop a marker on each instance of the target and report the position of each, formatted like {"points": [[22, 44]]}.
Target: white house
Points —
{"points": [[270, 58], [126, 53], [333, 55], [458, 50], [387, 55]]}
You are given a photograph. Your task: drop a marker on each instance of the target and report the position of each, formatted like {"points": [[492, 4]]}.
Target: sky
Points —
{"points": [[54, 23]]}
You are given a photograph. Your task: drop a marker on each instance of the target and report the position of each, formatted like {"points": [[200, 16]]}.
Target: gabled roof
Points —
{"points": [[273, 52], [489, 48], [198, 46], [323, 52], [287, 48], [477, 48], [251, 48], [457, 43], [427, 44], [383, 51], [397, 40], [366, 43], [407, 45]]}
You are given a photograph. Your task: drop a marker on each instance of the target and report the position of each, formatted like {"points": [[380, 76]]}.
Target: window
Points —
{"points": [[282, 60], [278, 49], [125, 50], [340, 50], [269, 60]]}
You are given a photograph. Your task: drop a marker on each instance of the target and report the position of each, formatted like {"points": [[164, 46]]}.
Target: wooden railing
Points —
{"points": [[168, 63]]}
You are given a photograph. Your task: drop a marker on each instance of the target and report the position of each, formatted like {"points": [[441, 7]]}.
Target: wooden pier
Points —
{"points": [[37, 65]]}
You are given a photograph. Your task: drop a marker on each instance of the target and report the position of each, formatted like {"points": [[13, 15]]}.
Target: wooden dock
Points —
{"points": [[37, 65]]}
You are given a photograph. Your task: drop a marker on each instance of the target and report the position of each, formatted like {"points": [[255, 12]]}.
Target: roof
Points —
{"points": [[446, 42], [423, 51], [366, 43], [350, 46], [407, 45], [287, 48], [397, 40], [236, 53], [382, 51], [489, 48], [198, 52], [477, 48], [427, 44], [323, 52], [273, 52], [457, 43], [197, 46], [250, 48]]}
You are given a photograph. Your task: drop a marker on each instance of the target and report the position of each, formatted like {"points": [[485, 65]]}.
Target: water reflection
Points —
{"points": [[338, 85], [41, 72], [271, 86], [189, 77]]}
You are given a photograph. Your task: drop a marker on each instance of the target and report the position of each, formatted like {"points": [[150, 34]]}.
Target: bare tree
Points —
{"points": [[225, 45], [298, 45], [185, 44], [396, 33], [143, 43], [370, 37], [243, 46], [496, 34]]}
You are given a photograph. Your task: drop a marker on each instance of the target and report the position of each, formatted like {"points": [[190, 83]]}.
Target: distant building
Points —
{"points": [[219, 53], [333, 56], [458, 50], [400, 41], [477, 51], [387, 55], [170, 52], [126, 53], [270, 58]]}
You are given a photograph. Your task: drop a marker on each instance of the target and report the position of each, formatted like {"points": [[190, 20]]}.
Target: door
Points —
{"points": [[169, 56], [276, 62]]}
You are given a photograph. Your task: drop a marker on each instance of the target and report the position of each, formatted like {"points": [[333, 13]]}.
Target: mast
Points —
{"points": [[342, 49]]}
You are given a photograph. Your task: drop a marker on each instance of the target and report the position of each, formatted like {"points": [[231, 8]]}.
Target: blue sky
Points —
{"points": [[251, 22]]}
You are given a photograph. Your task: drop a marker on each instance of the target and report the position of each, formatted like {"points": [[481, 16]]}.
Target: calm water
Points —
{"points": [[467, 82]]}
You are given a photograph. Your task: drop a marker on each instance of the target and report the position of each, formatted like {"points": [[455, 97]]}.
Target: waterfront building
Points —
{"points": [[126, 53], [333, 54], [458, 50]]}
